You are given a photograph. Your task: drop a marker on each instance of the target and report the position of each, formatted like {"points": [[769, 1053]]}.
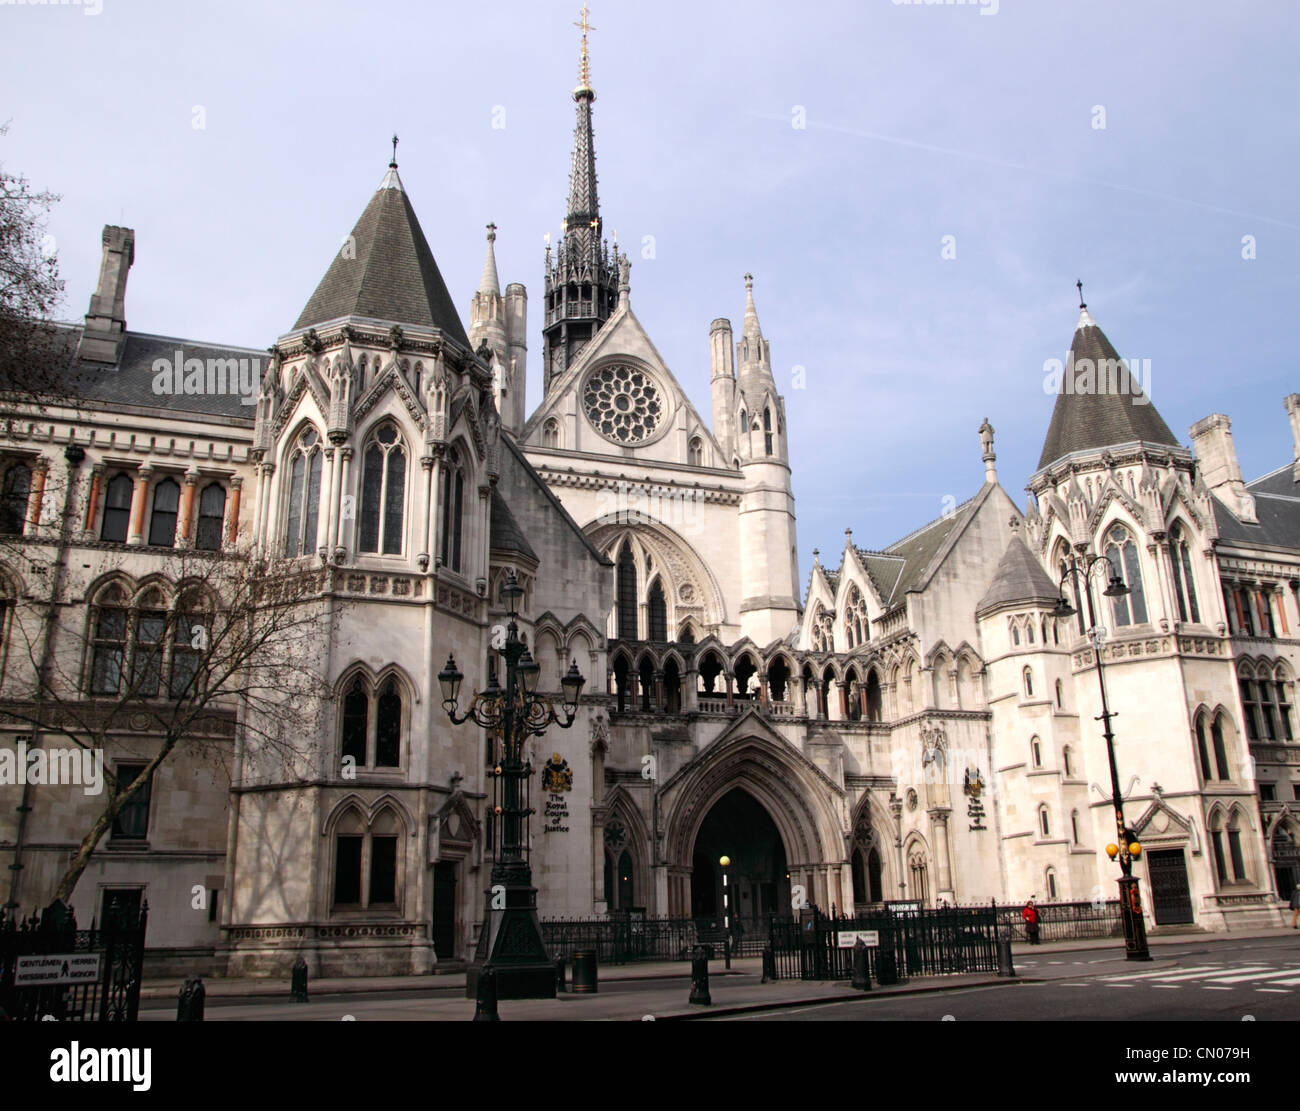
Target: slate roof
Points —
{"points": [[905, 564], [1086, 421], [1277, 505], [1019, 578], [393, 276], [506, 535], [132, 381]]}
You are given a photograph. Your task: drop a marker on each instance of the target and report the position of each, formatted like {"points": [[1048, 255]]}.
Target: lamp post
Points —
{"points": [[1080, 569], [511, 941], [725, 861]]}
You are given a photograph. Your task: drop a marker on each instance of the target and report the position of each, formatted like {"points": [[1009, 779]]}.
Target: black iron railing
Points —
{"points": [[113, 996], [1064, 921]]}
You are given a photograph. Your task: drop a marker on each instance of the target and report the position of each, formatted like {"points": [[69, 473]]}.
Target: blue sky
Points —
{"points": [[922, 121]]}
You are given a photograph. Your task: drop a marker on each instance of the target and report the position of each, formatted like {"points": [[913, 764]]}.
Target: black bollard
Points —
{"points": [[700, 978], [189, 1006], [560, 985], [726, 953], [298, 981], [769, 964], [861, 970], [1005, 967], [485, 1002]]}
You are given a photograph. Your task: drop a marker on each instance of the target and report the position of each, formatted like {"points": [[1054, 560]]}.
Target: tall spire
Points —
{"points": [[751, 329], [584, 208], [581, 274], [489, 283]]}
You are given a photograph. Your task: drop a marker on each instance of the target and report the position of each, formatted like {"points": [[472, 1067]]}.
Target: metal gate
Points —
{"points": [[1171, 899], [116, 950]]}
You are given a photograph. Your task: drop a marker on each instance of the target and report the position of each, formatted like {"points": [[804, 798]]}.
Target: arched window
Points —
{"points": [[823, 635], [875, 700], [1203, 749], [146, 665], [453, 508], [371, 725], [551, 433], [212, 514], [1184, 581], [1130, 609], [1029, 683], [657, 613], [109, 651], [303, 512], [767, 431], [1036, 749], [366, 862], [744, 426], [1220, 749], [1063, 567], [13, 502], [383, 493], [1044, 823], [1065, 756], [695, 452], [1074, 826], [920, 879], [687, 635], [1029, 629], [356, 723], [1050, 877], [1015, 634], [117, 509], [626, 594], [1060, 695], [162, 521], [857, 628]]}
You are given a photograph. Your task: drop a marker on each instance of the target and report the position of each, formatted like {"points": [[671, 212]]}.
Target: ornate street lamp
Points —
{"points": [[511, 941], [1080, 569]]}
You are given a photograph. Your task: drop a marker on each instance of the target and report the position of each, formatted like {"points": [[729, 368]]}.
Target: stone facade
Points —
{"points": [[916, 723]]}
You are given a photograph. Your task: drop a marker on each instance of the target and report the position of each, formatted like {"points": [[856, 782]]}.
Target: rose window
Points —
{"points": [[622, 403]]}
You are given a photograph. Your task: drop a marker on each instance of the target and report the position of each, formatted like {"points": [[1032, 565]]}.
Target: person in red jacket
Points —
{"points": [[1030, 915]]}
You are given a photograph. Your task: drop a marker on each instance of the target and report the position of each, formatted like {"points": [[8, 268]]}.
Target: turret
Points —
{"points": [[493, 320], [769, 559], [723, 385]]}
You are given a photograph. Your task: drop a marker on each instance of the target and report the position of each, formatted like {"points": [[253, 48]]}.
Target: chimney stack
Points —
{"points": [[105, 331], [1292, 403], [1217, 456]]}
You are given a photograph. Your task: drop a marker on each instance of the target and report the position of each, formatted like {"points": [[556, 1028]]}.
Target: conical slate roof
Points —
{"points": [[1110, 410], [1019, 578], [386, 271]]}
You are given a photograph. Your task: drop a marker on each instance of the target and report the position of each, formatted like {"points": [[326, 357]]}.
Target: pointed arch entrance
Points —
{"points": [[777, 788], [758, 881]]}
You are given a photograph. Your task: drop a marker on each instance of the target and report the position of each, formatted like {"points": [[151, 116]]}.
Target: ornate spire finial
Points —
{"points": [[393, 164], [1079, 285], [584, 64], [749, 282], [492, 233]]}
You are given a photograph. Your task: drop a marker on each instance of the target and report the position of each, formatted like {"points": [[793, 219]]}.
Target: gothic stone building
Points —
{"points": [[912, 724]]}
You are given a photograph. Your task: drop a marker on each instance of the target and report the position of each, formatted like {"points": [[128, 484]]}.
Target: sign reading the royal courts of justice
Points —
{"points": [[557, 780]]}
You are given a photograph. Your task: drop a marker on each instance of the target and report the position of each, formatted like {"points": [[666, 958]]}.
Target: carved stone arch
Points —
{"points": [[351, 803], [690, 587], [410, 690], [620, 810], [1101, 519], [389, 803], [801, 801]]}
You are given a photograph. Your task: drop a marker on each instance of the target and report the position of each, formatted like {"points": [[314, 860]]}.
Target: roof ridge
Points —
{"points": [[930, 524]]}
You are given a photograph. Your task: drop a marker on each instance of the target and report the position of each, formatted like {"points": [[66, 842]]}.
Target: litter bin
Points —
{"points": [[886, 966], [584, 972]]}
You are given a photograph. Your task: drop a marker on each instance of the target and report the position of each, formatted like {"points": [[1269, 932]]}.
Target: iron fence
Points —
{"points": [[929, 942], [112, 995], [1064, 921]]}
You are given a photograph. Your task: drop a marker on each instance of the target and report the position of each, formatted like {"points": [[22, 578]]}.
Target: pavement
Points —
{"points": [[653, 989]]}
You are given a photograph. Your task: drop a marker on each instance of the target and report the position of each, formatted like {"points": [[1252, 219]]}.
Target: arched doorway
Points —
{"points": [[737, 826]]}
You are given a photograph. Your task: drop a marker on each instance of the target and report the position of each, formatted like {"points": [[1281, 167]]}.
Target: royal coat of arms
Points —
{"points": [[557, 776], [974, 785]]}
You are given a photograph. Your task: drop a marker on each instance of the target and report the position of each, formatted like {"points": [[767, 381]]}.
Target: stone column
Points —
{"points": [[423, 541], [185, 526], [342, 483], [943, 867], [435, 510], [136, 534], [265, 486], [92, 502], [35, 498], [232, 510], [333, 505]]}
